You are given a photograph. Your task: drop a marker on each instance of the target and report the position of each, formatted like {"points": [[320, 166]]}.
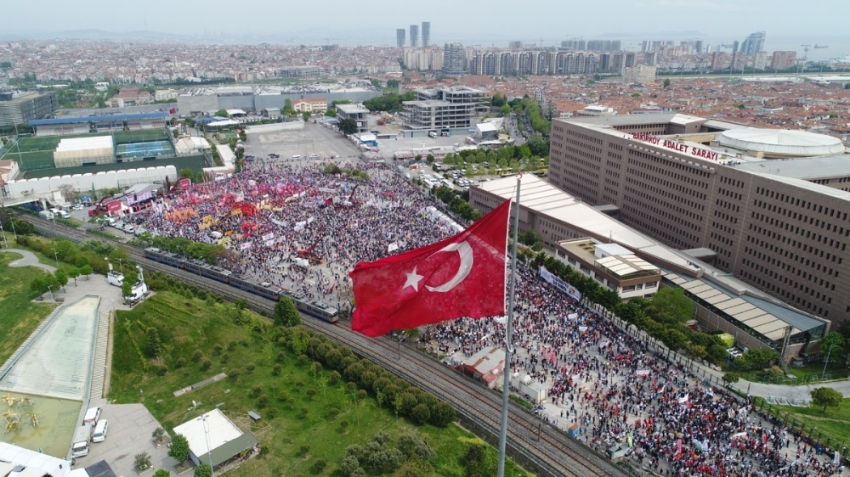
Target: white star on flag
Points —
{"points": [[413, 280]]}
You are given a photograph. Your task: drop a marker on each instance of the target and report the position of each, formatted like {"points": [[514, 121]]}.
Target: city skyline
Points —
{"points": [[716, 18]]}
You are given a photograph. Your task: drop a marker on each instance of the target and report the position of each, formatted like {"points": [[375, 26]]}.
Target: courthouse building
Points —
{"points": [[766, 205]]}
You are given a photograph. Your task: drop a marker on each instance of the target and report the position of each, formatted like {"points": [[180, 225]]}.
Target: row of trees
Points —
{"points": [[389, 391], [456, 204], [390, 102]]}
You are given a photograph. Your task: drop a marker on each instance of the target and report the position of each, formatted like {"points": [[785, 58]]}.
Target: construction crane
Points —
{"points": [[308, 252], [818, 47], [806, 50]]}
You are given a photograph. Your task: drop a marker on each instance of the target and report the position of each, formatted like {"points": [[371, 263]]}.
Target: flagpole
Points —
{"points": [[506, 383]]}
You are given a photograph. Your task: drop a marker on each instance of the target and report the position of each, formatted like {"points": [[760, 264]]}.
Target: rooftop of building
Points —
{"points": [[613, 258], [98, 119], [352, 108]]}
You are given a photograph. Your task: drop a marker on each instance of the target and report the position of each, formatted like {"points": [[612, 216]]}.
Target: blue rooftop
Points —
{"points": [[98, 119]]}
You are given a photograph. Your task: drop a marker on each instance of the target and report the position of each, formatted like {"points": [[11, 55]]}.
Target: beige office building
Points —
{"points": [[769, 206]]}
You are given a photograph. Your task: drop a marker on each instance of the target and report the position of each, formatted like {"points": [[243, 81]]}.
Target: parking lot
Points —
{"points": [[130, 429], [312, 139]]}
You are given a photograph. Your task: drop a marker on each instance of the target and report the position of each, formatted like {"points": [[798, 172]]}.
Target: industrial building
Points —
{"points": [[449, 108], [767, 206], [22, 108], [570, 226], [204, 100]]}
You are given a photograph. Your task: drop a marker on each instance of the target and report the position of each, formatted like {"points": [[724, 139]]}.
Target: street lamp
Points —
{"points": [[56, 256], [51, 293], [121, 266], [827, 360], [209, 449], [4, 236]]}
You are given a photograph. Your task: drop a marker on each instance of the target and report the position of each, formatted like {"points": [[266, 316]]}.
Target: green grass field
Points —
{"points": [[185, 325], [19, 316], [829, 427]]}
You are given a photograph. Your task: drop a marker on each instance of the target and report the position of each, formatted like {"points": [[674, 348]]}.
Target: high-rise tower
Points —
{"points": [[453, 56], [753, 43], [426, 34], [399, 37], [414, 36]]}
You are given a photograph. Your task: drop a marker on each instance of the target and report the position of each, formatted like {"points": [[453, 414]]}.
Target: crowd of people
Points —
{"points": [[303, 230], [298, 227], [615, 390]]}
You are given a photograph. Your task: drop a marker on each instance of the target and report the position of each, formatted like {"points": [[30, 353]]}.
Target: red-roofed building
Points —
{"points": [[486, 365]]}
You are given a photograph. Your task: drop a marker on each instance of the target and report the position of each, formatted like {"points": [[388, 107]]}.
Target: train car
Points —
{"points": [[267, 290], [319, 310]]}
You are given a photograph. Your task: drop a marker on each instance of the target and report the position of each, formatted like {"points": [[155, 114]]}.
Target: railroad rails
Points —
{"points": [[547, 451]]}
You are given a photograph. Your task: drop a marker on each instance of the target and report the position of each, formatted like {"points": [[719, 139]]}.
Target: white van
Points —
{"points": [[80, 444], [100, 430], [92, 416], [296, 157]]}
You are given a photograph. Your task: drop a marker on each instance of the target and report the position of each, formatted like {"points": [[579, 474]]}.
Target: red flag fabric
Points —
{"points": [[172, 111], [461, 276]]}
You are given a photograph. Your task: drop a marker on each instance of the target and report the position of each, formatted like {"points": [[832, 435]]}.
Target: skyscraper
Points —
{"points": [[453, 56], [426, 34], [399, 37], [753, 43], [414, 36]]}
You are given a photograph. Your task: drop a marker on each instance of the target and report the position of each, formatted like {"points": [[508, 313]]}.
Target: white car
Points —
{"points": [[77, 207], [129, 229]]}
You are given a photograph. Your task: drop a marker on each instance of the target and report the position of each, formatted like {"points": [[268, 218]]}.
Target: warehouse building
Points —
{"points": [[214, 439], [768, 206]]}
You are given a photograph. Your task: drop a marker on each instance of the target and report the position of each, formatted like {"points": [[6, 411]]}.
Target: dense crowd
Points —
{"points": [[277, 217], [274, 216], [617, 390]]}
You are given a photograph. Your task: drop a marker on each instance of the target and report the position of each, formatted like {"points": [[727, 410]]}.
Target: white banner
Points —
{"points": [[299, 226], [559, 284], [269, 243], [245, 246], [278, 222], [392, 247], [268, 237], [642, 372]]}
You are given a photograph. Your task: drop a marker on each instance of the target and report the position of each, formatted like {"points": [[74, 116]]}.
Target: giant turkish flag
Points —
{"points": [[461, 276]]}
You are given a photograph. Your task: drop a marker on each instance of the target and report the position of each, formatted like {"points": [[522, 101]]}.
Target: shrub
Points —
{"points": [[217, 349], [442, 414], [256, 390], [319, 465], [335, 378], [283, 396], [420, 414], [304, 411], [271, 413], [348, 465], [251, 368], [305, 449], [179, 449], [262, 401], [225, 358], [180, 363], [203, 470], [281, 357], [311, 392], [276, 370], [206, 365], [231, 345], [302, 359], [197, 355], [162, 473], [233, 374], [332, 413]]}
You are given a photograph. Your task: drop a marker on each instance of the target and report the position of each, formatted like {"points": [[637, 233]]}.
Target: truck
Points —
{"points": [[80, 443], [529, 388], [432, 134]]}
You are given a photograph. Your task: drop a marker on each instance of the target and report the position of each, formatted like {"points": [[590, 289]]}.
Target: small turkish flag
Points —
{"points": [[172, 111], [461, 276]]}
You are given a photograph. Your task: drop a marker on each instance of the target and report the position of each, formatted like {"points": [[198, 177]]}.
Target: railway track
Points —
{"points": [[548, 451]]}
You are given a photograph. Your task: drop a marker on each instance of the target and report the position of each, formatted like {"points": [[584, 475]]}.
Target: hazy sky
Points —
{"points": [[478, 21]]}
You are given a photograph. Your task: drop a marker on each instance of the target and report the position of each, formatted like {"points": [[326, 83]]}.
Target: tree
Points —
{"points": [[348, 126], [86, 270], [826, 397], [331, 113], [61, 277], [179, 450], [731, 377], [187, 173], [756, 357], [671, 306], [287, 107], [285, 313], [305, 116], [126, 288], [142, 461], [74, 273], [667, 83], [203, 470], [162, 473]]}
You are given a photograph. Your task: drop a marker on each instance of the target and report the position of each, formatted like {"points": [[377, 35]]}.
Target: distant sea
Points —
{"points": [[839, 47]]}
